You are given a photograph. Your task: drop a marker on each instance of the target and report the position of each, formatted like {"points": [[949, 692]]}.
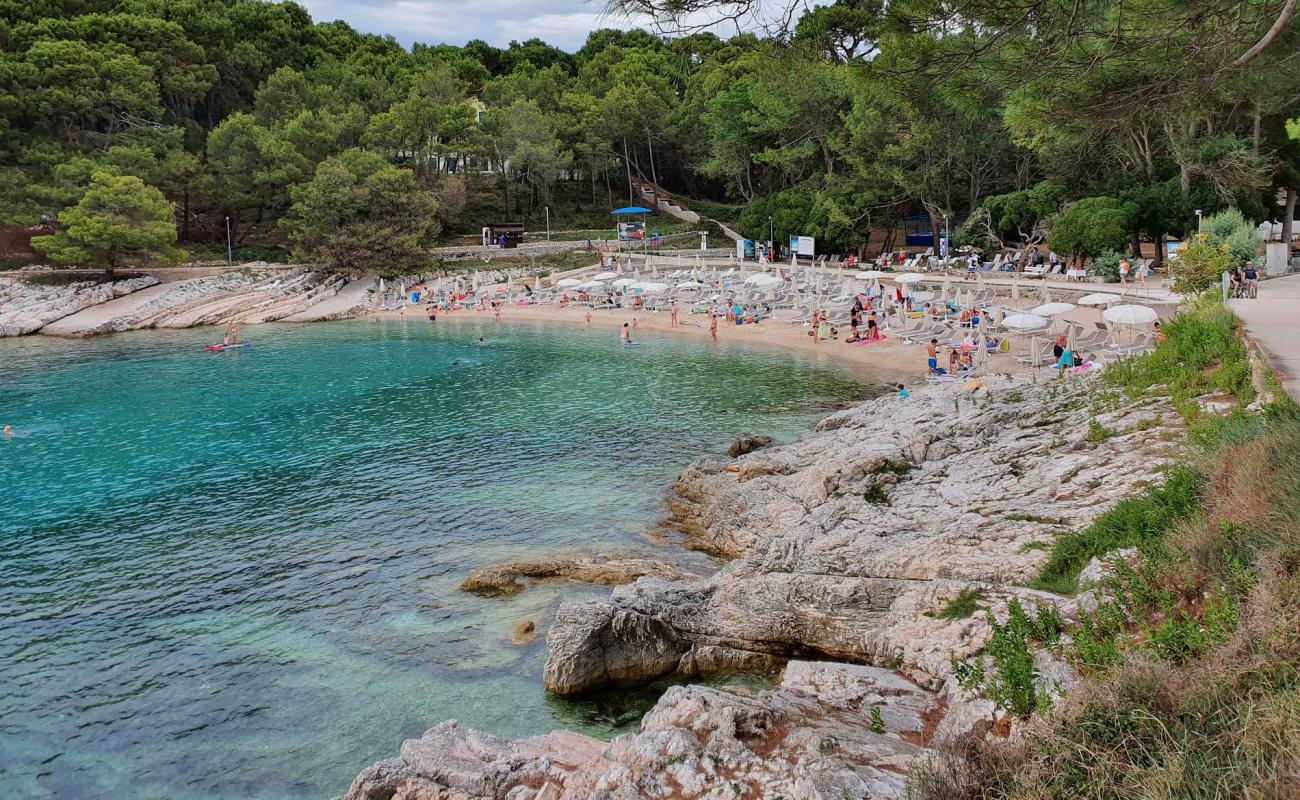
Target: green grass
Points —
{"points": [[963, 605], [877, 495], [891, 467], [1134, 522], [1202, 353]]}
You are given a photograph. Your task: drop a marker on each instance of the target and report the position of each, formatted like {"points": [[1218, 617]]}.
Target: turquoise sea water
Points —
{"points": [[234, 575]]}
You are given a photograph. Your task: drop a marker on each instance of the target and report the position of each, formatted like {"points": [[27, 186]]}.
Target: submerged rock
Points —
{"points": [[504, 579], [747, 444]]}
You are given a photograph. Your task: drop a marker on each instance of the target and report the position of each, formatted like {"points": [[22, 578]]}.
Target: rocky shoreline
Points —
{"points": [[846, 547], [253, 294]]}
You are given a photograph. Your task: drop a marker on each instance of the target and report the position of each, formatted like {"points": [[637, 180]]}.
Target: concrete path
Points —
{"points": [[1273, 323]]}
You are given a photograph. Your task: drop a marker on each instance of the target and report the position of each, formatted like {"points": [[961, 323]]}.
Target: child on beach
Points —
{"points": [[932, 353], [902, 391]]}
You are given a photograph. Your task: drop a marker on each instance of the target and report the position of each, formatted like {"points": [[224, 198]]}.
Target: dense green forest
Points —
{"points": [[993, 114]]}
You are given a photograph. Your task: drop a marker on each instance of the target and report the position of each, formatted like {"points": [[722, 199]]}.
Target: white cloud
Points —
{"points": [[563, 23]]}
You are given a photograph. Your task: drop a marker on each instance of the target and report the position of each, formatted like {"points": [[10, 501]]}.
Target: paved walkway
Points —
{"points": [[1273, 323]]}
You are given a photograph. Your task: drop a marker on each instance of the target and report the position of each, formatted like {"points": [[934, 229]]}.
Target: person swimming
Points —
{"points": [[626, 334], [9, 430]]}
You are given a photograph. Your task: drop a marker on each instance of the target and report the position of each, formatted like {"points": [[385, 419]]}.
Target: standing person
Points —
{"points": [[932, 356], [674, 314], [496, 310], [634, 325], [234, 335], [816, 325], [626, 334], [588, 316], [1123, 271], [713, 326]]}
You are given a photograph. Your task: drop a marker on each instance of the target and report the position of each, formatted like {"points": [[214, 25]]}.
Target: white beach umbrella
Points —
{"points": [[589, 285], [622, 283], [567, 282], [604, 276], [1130, 315], [690, 285], [1052, 309], [650, 287], [923, 296], [1024, 322], [870, 275], [1099, 299], [909, 277], [762, 279]]}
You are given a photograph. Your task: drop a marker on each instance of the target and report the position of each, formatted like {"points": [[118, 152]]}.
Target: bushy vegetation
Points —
{"points": [[1106, 266], [851, 120]]}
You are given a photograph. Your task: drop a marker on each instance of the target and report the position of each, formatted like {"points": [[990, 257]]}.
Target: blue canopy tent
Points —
{"points": [[634, 210]]}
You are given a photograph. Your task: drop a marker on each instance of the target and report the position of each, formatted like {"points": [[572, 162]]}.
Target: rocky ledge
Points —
{"points": [[828, 731], [845, 546]]}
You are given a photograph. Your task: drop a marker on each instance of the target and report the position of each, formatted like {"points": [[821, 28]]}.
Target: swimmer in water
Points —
{"points": [[9, 430], [481, 343], [626, 334]]}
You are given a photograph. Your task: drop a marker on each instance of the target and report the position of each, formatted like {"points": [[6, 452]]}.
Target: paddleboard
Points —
{"points": [[220, 348]]}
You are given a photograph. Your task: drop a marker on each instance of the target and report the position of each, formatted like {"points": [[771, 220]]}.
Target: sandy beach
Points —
{"points": [[889, 361]]}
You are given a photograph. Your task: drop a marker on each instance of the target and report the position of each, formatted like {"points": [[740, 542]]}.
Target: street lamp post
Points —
{"points": [[548, 223], [230, 251], [1198, 220], [771, 238]]}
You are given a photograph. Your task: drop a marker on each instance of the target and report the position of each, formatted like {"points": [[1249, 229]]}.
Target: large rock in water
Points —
{"points": [[829, 731]]}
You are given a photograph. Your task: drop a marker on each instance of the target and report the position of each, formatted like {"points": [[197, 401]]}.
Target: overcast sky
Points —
{"points": [[563, 23]]}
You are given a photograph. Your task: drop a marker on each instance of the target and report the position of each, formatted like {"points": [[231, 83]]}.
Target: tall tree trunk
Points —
{"points": [[649, 143], [627, 163], [185, 216], [1288, 218], [1184, 168], [1158, 262], [1135, 241], [1255, 134]]}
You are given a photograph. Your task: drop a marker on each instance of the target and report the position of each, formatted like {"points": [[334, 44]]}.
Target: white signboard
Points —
{"points": [[803, 245], [740, 249]]}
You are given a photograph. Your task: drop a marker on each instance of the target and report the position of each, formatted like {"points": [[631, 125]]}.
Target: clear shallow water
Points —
{"points": [[234, 575]]}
